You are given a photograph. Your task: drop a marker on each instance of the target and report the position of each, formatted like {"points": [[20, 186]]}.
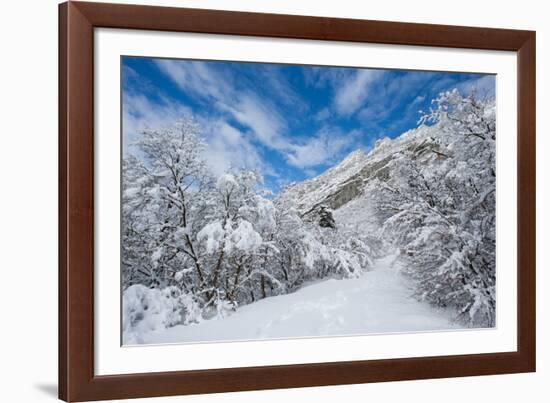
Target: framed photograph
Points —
{"points": [[256, 201]]}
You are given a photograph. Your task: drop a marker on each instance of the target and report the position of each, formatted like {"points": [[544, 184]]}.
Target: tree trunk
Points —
{"points": [[263, 286]]}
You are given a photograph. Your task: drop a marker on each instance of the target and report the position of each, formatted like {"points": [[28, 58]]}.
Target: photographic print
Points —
{"points": [[265, 201]]}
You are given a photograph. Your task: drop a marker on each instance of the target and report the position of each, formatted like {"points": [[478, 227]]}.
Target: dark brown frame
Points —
{"points": [[77, 21]]}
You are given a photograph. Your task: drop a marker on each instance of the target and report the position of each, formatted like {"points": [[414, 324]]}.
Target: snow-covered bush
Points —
{"points": [[150, 309]]}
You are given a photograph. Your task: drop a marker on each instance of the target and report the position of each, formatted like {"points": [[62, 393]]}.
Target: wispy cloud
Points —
{"points": [[322, 115], [278, 84], [354, 91], [325, 147], [483, 86], [261, 117], [266, 123], [399, 98], [229, 148], [196, 78], [140, 113], [202, 81], [351, 87]]}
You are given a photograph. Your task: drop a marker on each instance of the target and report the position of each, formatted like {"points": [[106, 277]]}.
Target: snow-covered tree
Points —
{"points": [[438, 206], [165, 197], [234, 244]]}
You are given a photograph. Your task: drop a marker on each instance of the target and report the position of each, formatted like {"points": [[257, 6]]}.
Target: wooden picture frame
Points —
{"points": [[77, 21]]}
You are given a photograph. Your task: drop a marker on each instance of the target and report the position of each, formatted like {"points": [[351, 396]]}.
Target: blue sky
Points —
{"points": [[289, 122]]}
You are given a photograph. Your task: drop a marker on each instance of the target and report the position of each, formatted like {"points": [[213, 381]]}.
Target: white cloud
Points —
{"points": [[265, 123], [395, 93], [325, 147], [483, 86], [231, 135], [244, 106], [322, 115], [139, 113], [312, 153], [310, 172], [354, 91], [278, 84], [232, 148], [196, 78], [229, 148], [374, 112]]}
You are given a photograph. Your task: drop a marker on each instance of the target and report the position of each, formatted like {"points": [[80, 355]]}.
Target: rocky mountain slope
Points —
{"points": [[346, 181]]}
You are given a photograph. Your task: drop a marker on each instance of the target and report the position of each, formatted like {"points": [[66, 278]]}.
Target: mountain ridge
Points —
{"points": [[346, 180]]}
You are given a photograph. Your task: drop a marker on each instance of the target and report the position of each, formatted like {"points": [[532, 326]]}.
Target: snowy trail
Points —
{"points": [[377, 302]]}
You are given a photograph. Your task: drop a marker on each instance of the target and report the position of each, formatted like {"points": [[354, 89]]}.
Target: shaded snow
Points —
{"points": [[377, 302], [358, 216]]}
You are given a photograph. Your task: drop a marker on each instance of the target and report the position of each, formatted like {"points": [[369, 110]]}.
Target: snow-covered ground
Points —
{"points": [[377, 302]]}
